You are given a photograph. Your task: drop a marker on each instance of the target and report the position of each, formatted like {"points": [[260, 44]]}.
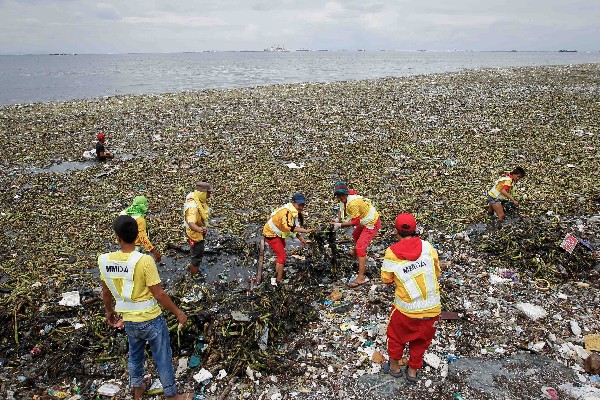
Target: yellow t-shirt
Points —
{"points": [[283, 219], [142, 238], [359, 208], [144, 275]]}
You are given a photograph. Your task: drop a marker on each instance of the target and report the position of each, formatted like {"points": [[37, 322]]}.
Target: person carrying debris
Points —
{"points": [[412, 265], [101, 152], [284, 222], [195, 220], [357, 211], [131, 287], [137, 210], [503, 191]]}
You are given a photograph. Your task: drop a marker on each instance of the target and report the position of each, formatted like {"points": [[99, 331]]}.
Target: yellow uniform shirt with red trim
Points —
{"points": [[401, 292], [360, 208], [283, 219], [145, 275]]}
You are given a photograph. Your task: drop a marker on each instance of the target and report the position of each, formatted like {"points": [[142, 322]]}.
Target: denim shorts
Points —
{"points": [[156, 333], [493, 200]]}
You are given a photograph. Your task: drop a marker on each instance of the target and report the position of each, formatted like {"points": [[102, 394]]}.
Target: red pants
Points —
{"points": [[362, 237], [277, 244], [418, 333]]}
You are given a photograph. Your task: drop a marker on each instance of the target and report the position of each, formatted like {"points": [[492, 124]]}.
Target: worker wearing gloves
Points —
{"points": [[504, 191], [412, 265], [357, 211], [195, 220], [284, 222], [137, 210]]}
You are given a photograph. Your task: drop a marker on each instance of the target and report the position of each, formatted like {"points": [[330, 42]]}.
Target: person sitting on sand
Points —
{"points": [[137, 210], [503, 191], [284, 222], [131, 286], [101, 152], [357, 211], [412, 265]]}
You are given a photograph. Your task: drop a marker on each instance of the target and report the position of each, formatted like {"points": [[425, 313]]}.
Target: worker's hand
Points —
{"points": [[336, 225], [114, 319], [156, 254], [516, 203], [302, 241], [181, 318]]}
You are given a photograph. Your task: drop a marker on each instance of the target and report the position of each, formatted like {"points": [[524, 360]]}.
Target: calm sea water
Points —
{"points": [[39, 78]]}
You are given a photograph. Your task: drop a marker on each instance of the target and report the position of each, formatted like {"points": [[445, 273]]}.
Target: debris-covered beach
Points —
{"points": [[523, 312]]}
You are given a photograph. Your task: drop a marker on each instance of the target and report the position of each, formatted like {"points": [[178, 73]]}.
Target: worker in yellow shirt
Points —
{"points": [[357, 211], [504, 191], [132, 296], [412, 265], [137, 210], [284, 222], [195, 220]]}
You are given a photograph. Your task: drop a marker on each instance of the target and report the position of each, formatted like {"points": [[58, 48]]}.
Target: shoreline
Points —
{"points": [[427, 144]]}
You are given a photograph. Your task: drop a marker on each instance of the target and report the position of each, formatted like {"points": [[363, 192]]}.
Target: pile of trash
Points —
{"points": [[519, 300]]}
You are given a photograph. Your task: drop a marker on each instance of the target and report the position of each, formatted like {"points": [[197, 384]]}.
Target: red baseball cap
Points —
{"points": [[100, 136], [406, 223]]}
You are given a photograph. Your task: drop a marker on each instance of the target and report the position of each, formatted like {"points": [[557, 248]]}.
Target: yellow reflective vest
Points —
{"points": [[279, 221]]}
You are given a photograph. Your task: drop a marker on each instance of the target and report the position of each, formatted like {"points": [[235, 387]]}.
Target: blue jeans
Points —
{"points": [[156, 333]]}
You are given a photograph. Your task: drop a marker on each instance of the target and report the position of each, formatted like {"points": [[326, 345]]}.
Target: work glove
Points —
{"points": [[337, 225]]}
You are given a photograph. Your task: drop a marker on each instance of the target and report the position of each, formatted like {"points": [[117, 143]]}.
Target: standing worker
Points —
{"points": [[195, 220], [503, 191], [284, 222], [357, 211], [137, 210], [131, 287], [412, 265], [101, 152]]}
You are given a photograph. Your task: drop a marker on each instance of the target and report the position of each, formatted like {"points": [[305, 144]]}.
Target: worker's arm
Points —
{"points": [[165, 301], [504, 192]]}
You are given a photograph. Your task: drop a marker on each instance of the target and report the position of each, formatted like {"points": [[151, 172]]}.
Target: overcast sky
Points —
{"points": [[87, 26]]}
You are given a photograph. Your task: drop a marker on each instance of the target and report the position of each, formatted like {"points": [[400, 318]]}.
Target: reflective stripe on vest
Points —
{"points": [[366, 220], [113, 269], [274, 227], [190, 202], [495, 193], [407, 271]]}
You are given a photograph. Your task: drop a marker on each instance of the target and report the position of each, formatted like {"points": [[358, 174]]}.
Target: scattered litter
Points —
{"points": [[294, 165], [108, 389], [202, 376], [70, 299], [532, 311], [592, 342]]}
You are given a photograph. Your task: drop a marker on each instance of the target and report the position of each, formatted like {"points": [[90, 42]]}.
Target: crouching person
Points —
{"points": [[412, 265], [132, 296]]}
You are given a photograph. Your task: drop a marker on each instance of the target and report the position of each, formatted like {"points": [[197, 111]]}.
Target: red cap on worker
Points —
{"points": [[406, 223], [100, 136]]}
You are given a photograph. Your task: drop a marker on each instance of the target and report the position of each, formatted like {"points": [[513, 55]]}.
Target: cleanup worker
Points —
{"points": [[195, 220], [101, 152], [357, 211], [504, 191], [137, 210], [131, 287], [284, 222], [412, 265]]}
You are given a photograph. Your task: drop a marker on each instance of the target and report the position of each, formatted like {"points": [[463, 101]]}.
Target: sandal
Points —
{"points": [[353, 284], [413, 379], [388, 370]]}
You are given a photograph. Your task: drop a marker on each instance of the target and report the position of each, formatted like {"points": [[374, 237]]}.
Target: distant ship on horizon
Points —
{"points": [[277, 48]]}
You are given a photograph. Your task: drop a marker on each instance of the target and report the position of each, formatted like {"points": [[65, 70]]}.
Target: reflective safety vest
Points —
{"points": [[275, 228], [367, 219], [190, 202], [406, 271], [113, 269], [495, 193]]}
